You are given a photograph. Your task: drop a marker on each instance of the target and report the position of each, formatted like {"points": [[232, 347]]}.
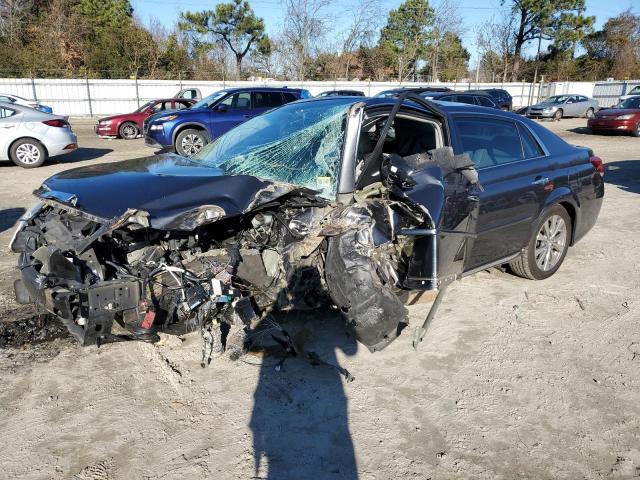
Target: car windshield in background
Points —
{"points": [[142, 108], [299, 143], [557, 99], [633, 102], [207, 102]]}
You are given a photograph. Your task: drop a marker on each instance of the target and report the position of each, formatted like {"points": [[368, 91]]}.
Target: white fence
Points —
{"points": [[91, 97]]}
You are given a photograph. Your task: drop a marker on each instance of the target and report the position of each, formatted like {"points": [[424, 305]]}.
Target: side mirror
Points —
{"points": [[221, 108]]}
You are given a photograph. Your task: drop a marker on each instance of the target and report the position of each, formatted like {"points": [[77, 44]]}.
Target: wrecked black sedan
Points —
{"points": [[360, 204]]}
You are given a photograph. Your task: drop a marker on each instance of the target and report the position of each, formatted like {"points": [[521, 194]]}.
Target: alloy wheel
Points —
{"points": [[129, 131], [551, 242], [191, 144], [589, 113], [28, 153]]}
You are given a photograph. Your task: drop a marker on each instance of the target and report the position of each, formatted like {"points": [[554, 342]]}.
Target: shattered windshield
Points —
{"points": [[299, 143]]}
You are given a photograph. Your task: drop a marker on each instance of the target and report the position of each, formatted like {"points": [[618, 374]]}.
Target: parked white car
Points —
{"points": [[28, 137], [15, 99]]}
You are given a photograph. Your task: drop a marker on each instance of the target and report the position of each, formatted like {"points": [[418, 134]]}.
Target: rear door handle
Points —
{"points": [[540, 181]]}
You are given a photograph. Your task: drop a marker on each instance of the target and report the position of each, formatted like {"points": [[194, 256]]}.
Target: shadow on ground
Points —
{"points": [[624, 174], [82, 154], [300, 418], [9, 217], [581, 130]]}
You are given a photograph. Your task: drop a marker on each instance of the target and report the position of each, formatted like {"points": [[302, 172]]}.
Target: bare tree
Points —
{"points": [[496, 43], [304, 29], [446, 20], [366, 22], [13, 16]]}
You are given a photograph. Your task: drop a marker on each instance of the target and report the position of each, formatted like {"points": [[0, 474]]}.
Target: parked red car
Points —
{"points": [[624, 117], [129, 125]]}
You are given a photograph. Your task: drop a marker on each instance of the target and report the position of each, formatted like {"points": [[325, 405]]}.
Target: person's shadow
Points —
{"points": [[300, 421]]}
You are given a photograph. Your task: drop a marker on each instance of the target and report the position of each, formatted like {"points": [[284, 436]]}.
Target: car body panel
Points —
{"points": [[162, 134], [28, 123], [609, 118], [110, 126], [417, 221], [571, 106]]}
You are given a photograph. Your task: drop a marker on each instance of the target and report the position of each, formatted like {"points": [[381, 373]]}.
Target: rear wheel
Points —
{"points": [[128, 130], [558, 115], [636, 132], [589, 113], [547, 247], [28, 153], [189, 142]]}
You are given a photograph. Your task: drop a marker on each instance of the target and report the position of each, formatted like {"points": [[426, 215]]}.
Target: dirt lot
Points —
{"points": [[515, 379]]}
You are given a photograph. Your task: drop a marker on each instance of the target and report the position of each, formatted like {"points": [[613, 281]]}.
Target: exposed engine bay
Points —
{"points": [[220, 272]]}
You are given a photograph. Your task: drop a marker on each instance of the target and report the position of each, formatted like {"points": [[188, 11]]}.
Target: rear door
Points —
{"points": [[263, 101], [515, 175], [573, 107]]}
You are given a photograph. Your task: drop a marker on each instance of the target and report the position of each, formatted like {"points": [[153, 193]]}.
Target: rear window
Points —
{"points": [[6, 112], [267, 99], [489, 141]]}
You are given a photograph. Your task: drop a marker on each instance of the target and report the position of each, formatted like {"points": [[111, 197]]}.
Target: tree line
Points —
{"points": [[416, 41]]}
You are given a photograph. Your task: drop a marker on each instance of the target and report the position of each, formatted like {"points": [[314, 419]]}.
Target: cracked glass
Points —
{"points": [[299, 144]]}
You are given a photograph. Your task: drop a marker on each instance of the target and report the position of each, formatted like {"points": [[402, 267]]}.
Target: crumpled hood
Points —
{"points": [[165, 186]]}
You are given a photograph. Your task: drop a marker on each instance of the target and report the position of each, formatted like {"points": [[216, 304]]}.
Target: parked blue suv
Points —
{"points": [[187, 131]]}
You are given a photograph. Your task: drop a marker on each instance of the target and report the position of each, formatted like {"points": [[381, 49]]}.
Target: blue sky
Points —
{"points": [[472, 12]]}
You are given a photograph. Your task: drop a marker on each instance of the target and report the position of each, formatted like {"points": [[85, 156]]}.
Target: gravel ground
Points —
{"points": [[515, 379]]}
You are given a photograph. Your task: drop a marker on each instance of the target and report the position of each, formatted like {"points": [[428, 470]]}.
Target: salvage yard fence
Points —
{"points": [[94, 97]]}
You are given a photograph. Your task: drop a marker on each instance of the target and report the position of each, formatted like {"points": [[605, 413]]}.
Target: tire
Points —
{"points": [[374, 313], [589, 113], [526, 265], [558, 115], [190, 141], [28, 153], [128, 131], [636, 132]]}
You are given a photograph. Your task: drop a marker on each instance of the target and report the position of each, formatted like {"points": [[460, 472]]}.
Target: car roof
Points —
{"points": [[262, 89]]}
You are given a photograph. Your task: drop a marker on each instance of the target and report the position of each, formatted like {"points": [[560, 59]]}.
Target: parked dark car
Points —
{"points": [[187, 132], [501, 97], [129, 125], [625, 117], [356, 203], [394, 92], [481, 99], [341, 93]]}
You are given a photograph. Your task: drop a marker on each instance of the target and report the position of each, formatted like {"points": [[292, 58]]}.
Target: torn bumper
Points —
{"points": [[87, 311]]}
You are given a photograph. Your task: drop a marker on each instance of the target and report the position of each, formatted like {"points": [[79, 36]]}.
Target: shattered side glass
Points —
{"points": [[299, 143]]}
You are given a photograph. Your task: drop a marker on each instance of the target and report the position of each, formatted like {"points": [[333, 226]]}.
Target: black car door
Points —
{"points": [[516, 178]]}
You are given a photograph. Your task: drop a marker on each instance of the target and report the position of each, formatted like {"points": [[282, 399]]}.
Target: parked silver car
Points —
{"points": [[560, 106], [28, 137]]}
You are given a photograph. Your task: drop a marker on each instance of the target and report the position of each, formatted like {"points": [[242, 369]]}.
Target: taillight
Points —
{"points": [[56, 123], [597, 164]]}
